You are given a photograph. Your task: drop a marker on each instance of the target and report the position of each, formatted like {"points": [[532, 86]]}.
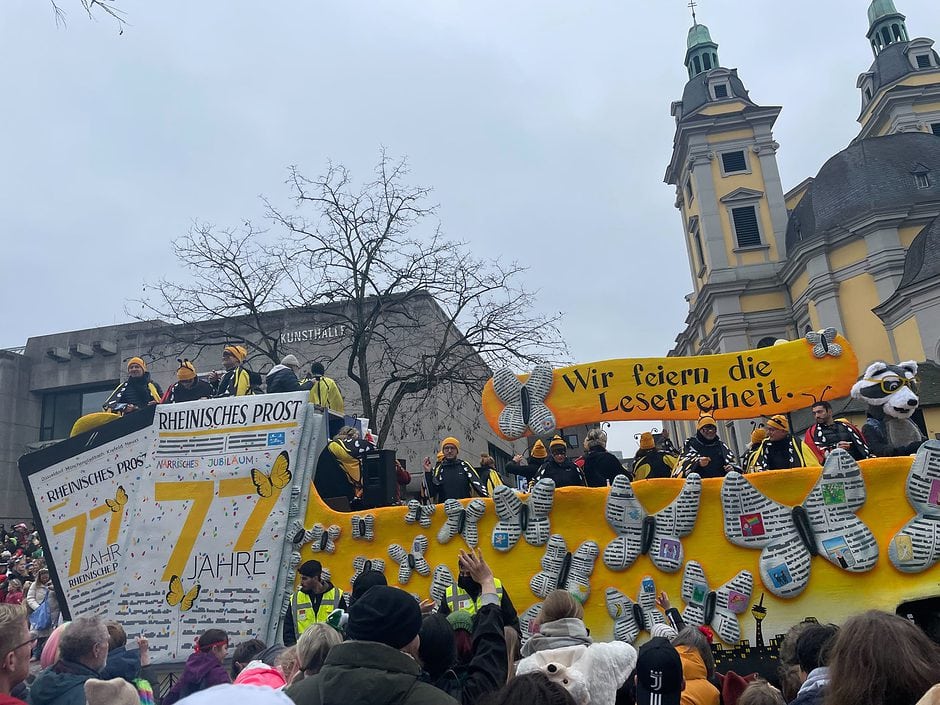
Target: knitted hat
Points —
{"points": [[385, 614], [758, 434], [778, 422], [557, 441], [236, 351], [317, 369], [663, 630], [137, 361], [116, 691], [646, 441], [538, 450], [187, 370], [461, 619], [290, 361], [310, 569], [705, 420], [450, 441], [658, 674], [365, 580], [229, 693]]}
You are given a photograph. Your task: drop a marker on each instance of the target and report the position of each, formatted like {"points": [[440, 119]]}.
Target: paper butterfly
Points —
{"points": [[527, 518], [657, 535], [323, 538], [301, 536], [562, 570], [176, 595], [527, 626], [120, 499], [525, 403], [719, 608], [790, 536], [462, 521], [363, 527], [630, 618], [361, 564], [279, 478], [420, 513], [823, 343], [440, 581], [410, 562], [916, 547]]}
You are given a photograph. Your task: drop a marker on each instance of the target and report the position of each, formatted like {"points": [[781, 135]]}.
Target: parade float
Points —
{"points": [[197, 514]]}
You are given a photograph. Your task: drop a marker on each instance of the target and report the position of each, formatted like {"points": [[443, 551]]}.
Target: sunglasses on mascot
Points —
{"points": [[893, 384]]}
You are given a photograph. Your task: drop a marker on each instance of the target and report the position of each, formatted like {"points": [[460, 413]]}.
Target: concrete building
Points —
{"points": [[51, 381], [856, 247]]}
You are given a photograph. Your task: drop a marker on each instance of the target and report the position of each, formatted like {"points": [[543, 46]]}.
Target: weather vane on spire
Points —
{"points": [[692, 6]]}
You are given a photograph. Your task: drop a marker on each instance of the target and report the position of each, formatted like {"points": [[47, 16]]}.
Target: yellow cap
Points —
{"points": [[450, 441], [137, 361], [538, 450]]}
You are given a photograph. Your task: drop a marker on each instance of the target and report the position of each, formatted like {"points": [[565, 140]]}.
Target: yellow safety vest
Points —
{"points": [[458, 599], [304, 614]]}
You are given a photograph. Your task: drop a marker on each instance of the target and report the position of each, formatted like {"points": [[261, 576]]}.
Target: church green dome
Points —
{"points": [[698, 34], [879, 9]]}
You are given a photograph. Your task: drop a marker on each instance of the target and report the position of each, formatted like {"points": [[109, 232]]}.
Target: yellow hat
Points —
{"points": [[758, 434], [137, 361], [779, 422], [646, 441], [450, 441], [556, 442], [187, 370], [538, 450], [236, 351], [705, 420]]}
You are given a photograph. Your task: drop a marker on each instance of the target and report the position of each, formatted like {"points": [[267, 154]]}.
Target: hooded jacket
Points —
{"points": [[367, 673], [203, 670], [698, 690], [62, 684], [600, 467], [813, 690], [564, 474], [139, 391], [456, 479], [281, 378], [591, 673]]}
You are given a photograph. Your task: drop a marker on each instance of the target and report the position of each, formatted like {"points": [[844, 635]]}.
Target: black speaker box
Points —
{"points": [[379, 481]]}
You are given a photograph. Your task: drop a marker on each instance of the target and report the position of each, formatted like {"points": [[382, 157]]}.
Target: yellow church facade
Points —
{"points": [[856, 247]]}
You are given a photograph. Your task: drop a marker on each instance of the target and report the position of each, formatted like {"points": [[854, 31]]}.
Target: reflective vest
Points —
{"points": [[457, 599], [304, 614]]}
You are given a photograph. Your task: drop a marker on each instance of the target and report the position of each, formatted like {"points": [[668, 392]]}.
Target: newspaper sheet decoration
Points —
{"points": [[440, 581], [825, 524], [657, 535], [410, 561], [916, 547], [562, 570], [719, 608], [363, 527], [81, 505], [525, 409], [419, 513], [462, 521], [518, 517], [631, 618], [213, 521], [361, 564]]}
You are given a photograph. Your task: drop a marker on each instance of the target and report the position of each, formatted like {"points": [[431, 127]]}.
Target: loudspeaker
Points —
{"points": [[379, 481]]}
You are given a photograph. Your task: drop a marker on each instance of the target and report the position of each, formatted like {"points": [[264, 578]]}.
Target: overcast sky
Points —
{"points": [[542, 126]]}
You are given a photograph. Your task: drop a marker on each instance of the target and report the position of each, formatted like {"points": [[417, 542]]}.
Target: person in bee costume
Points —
{"points": [[188, 386], [780, 450], [705, 453], [137, 391], [651, 463], [236, 382], [339, 467], [315, 600]]}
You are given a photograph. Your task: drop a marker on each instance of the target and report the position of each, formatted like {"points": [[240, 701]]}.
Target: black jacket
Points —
{"points": [[177, 393], [456, 479], [564, 474], [600, 467], [136, 391], [487, 670], [716, 451], [528, 469], [281, 378]]}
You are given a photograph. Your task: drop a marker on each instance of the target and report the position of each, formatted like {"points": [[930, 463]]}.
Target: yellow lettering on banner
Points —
{"points": [[114, 525], [200, 492], [243, 486], [79, 522]]}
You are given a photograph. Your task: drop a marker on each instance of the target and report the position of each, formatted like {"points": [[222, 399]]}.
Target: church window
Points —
{"points": [[733, 162], [707, 61], [746, 228], [935, 128], [868, 93], [698, 65], [721, 90], [886, 36], [923, 61], [689, 194], [897, 32], [699, 250], [922, 180]]}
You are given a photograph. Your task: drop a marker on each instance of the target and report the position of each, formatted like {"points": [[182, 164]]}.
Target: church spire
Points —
{"points": [[885, 25], [702, 52]]}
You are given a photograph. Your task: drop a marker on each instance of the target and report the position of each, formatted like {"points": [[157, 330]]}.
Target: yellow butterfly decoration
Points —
{"points": [[279, 478], [120, 499], [178, 596]]}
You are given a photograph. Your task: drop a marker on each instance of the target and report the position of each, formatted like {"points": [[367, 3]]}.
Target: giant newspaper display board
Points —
{"points": [[182, 523]]}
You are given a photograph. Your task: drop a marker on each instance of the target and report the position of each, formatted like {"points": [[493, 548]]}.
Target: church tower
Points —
{"points": [[901, 90], [734, 215]]}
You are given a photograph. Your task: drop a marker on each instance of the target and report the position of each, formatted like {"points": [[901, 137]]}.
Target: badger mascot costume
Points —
{"points": [[890, 391]]}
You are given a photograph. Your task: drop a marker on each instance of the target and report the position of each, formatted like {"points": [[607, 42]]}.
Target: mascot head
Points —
{"points": [[890, 388]]}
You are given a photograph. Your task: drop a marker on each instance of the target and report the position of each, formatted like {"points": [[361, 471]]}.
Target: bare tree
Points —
{"points": [[425, 319], [106, 7]]}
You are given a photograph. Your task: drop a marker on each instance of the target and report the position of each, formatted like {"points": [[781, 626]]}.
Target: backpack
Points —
{"points": [[41, 619]]}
